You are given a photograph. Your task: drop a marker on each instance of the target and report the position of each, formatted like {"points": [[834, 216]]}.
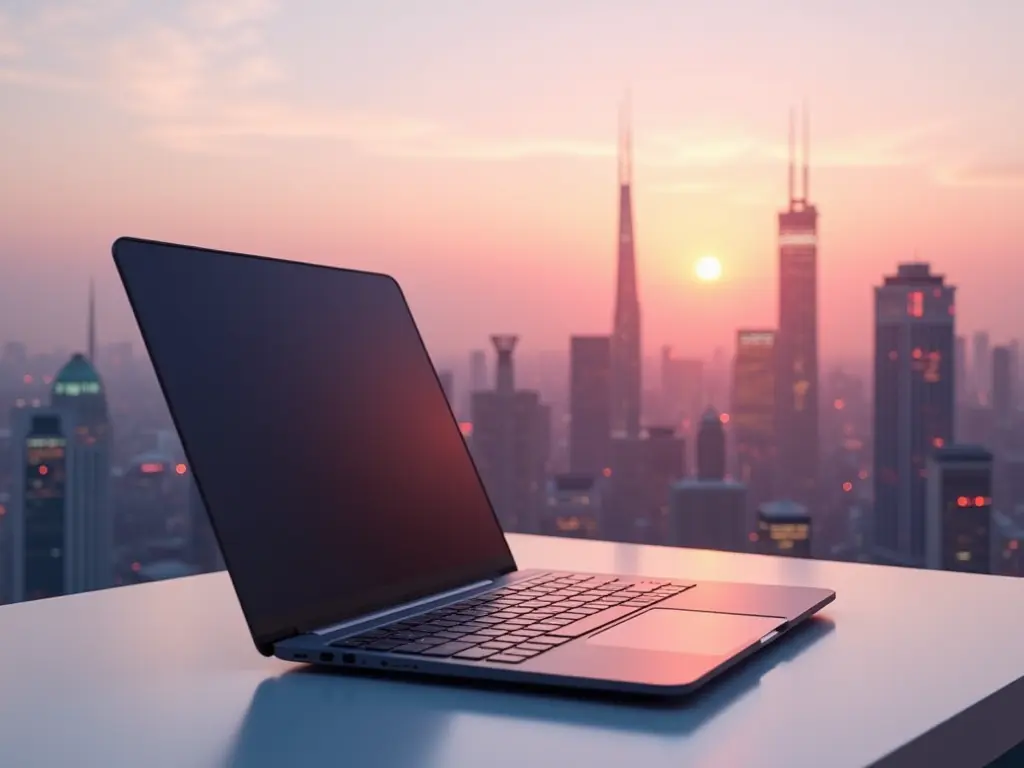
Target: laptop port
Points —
{"points": [[326, 657]]}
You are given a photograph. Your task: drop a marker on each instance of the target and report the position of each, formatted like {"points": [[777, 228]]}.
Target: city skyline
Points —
{"points": [[234, 135]]}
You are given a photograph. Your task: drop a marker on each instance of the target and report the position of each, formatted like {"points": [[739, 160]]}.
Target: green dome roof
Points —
{"points": [[77, 377]]}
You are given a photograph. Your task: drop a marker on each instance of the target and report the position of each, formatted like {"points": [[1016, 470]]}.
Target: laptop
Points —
{"points": [[354, 526]]}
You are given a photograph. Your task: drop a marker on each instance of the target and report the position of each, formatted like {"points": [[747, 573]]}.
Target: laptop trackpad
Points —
{"points": [[710, 634]]}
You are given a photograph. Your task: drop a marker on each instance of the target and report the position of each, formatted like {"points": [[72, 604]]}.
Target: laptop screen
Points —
{"points": [[334, 473]]}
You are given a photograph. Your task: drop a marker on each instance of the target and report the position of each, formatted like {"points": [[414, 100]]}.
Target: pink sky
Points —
{"points": [[468, 147]]}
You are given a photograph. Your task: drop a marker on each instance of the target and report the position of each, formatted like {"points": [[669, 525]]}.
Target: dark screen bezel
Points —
{"points": [[268, 630]]}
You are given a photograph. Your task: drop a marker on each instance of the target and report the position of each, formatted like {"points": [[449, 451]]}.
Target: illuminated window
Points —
{"points": [[915, 304], [931, 368]]}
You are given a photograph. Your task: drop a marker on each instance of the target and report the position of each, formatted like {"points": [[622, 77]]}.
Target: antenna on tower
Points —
{"points": [[625, 141], [806, 184], [92, 321], [792, 156]]}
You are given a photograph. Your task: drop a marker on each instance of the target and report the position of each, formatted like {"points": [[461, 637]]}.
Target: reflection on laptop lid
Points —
{"points": [[335, 475]]}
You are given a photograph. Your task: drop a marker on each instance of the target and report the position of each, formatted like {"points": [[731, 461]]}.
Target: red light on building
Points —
{"points": [[607, 471], [725, 418], [466, 428], [753, 537], [963, 501], [136, 567], [839, 404], [1014, 544], [847, 486], [27, 378], [151, 468], [181, 469], [43, 469], [979, 501], [938, 442], [915, 304]]}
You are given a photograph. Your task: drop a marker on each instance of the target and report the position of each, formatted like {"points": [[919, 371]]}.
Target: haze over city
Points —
{"points": [[470, 150]]}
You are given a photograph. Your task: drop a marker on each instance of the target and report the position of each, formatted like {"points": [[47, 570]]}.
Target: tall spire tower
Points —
{"points": [[92, 322], [625, 370], [797, 344]]}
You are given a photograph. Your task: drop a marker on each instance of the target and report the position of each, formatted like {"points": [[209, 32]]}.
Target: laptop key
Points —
{"points": [[448, 649], [475, 654], [475, 638], [505, 658], [384, 645], [497, 645], [590, 623], [412, 648]]}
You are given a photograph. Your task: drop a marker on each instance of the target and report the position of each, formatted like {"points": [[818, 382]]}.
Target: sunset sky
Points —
{"points": [[467, 146]]}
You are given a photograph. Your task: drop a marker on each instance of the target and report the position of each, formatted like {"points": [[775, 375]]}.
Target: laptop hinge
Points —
{"points": [[399, 608]]}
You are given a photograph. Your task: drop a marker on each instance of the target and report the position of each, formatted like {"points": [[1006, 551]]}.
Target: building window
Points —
{"points": [[915, 304]]}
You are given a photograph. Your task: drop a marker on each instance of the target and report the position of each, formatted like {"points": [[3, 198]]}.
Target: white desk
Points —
{"points": [[907, 668]]}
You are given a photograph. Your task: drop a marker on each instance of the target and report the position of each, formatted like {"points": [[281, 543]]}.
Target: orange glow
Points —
{"points": [[839, 404], [917, 354], [979, 501], [181, 469], [607, 471], [847, 486], [466, 428], [963, 501], [725, 418], [151, 468], [938, 442], [43, 469], [136, 567], [915, 304]]}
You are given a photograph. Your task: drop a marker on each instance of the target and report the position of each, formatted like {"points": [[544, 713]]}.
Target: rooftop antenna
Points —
{"points": [[625, 141], [792, 156], [807, 154]]}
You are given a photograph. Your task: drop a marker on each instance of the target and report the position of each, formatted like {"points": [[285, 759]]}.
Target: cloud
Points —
{"points": [[988, 174]]}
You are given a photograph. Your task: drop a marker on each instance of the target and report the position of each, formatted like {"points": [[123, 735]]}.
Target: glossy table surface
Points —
{"points": [[905, 668]]}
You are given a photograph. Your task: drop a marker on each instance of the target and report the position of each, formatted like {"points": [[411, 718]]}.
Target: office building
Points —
{"points": [[959, 527], [625, 343], [982, 369], [642, 470], [511, 443], [796, 353], [709, 512], [962, 381], [1007, 546], [590, 404], [1003, 401], [682, 389], [784, 528], [62, 525], [447, 379], [573, 506], [752, 414], [914, 403]]}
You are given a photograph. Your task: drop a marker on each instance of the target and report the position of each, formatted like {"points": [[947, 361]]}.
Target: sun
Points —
{"points": [[708, 269]]}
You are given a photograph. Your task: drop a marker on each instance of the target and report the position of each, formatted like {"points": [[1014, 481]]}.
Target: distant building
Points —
{"points": [[447, 379], [590, 403], [1007, 546], [752, 414], [62, 539], [573, 507], [982, 369], [784, 528], [642, 472], [510, 443], [914, 403], [960, 510], [1003, 399], [962, 380]]}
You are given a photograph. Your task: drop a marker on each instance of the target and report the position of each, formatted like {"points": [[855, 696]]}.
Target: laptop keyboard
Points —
{"points": [[517, 622]]}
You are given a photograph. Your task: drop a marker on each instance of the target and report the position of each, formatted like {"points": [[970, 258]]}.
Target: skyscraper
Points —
{"points": [[982, 368], [960, 509], [1002, 386], [589, 404], [509, 443], [625, 344], [914, 403], [62, 532], [797, 344], [962, 380], [752, 413], [709, 512]]}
